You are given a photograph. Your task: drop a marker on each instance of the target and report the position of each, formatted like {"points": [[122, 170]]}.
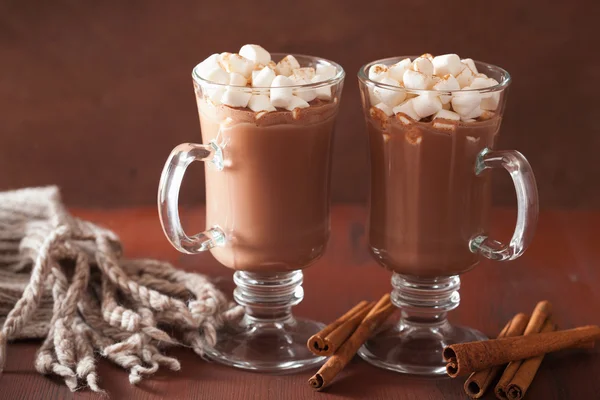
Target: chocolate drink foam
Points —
{"points": [[426, 202], [272, 198]]}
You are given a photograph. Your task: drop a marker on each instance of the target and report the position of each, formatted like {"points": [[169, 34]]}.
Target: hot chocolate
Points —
{"points": [[272, 198], [274, 122], [426, 201], [428, 119]]}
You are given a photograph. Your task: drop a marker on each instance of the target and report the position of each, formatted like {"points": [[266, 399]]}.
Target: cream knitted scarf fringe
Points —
{"points": [[63, 280]]}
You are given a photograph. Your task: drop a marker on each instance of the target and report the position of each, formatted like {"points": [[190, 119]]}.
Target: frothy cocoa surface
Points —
{"points": [[426, 202], [272, 198], [318, 111]]}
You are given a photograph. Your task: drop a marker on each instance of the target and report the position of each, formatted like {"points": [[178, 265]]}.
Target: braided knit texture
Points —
{"points": [[63, 280]]}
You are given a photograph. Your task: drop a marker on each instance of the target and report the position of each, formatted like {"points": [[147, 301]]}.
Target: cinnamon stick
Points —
{"points": [[465, 358], [327, 341], [541, 312], [479, 382], [378, 314], [518, 385]]}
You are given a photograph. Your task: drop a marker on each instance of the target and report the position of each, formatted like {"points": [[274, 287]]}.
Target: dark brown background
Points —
{"points": [[93, 95]]}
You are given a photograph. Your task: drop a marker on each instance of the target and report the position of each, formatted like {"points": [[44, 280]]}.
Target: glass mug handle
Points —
{"points": [[527, 204], [168, 196]]}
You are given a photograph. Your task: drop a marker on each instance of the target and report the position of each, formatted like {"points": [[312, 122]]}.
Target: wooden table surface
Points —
{"points": [[561, 266]]}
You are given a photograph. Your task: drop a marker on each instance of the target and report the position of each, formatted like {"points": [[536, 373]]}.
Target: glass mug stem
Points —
{"points": [[168, 196], [425, 301], [268, 298], [527, 204]]}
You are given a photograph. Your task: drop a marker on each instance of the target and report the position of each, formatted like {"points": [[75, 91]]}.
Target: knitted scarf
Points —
{"points": [[63, 280]]}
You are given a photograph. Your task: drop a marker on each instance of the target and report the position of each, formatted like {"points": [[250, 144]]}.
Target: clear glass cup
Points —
{"points": [[429, 206], [267, 211]]}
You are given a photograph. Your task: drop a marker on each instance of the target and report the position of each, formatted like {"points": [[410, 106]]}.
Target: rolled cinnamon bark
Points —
{"points": [[479, 382], [518, 385], [326, 342], [465, 358], [516, 388], [316, 343], [378, 314], [541, 313]]}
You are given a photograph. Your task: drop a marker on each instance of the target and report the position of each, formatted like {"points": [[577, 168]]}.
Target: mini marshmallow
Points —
{"points": [[263, 78], [391, 97], [447, 83], [428, 56], [296, 102], [214, 94], [287, 65], [323, 93], [485, 114], [373, 97], [482, 83], [489, 100], [464, 103], [415, 80], [446, 64], [255, 53], [433, 81], [305, 74], [377, 72], [236, 79], [217, 75], [223, 57], [207, 65], [465, 76], [260, 102], [423, 65], [270, 64], [491, 103], [305, 93], [326, 71], [407, 109], [281, 95], [470, 63], [387, 110], [426, 104], [236, 63], [397, 70], [476, 113], [236, 97], [445, 126], [445, 114]]}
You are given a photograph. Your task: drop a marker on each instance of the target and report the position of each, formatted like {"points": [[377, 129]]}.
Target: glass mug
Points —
{"points": [[267, 213], [429, 207]]}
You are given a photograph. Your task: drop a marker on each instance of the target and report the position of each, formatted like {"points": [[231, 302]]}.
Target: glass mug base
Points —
{"points": [[274, 346], [268, 338], [413, 348], [413, 343]]}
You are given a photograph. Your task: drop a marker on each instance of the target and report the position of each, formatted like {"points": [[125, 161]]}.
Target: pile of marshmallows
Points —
{"points": [[253, 67], [445, 73]]}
